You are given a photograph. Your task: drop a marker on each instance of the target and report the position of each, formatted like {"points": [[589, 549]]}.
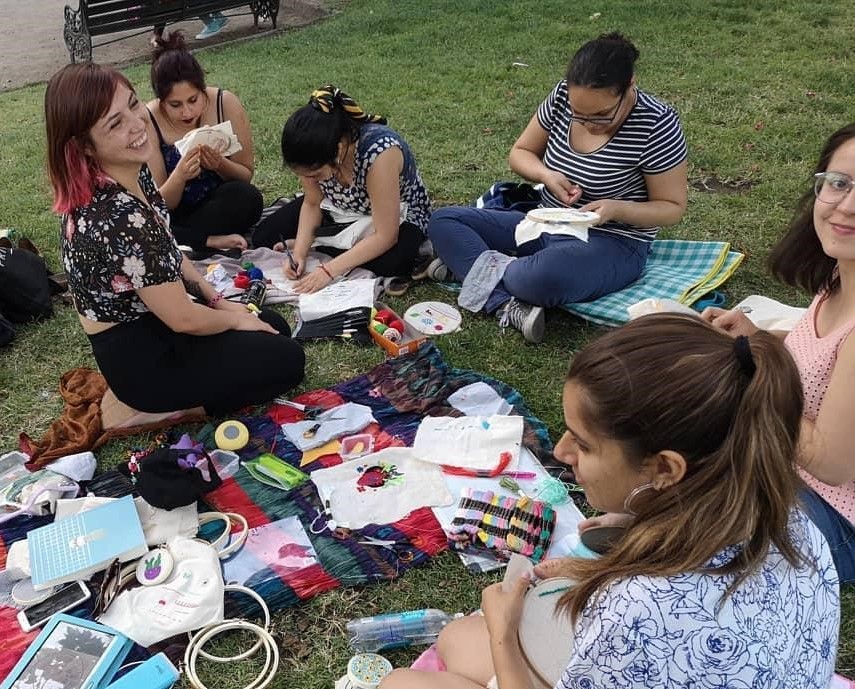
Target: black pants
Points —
{"points": [[231, 208], [397, 261], [154, 369]]}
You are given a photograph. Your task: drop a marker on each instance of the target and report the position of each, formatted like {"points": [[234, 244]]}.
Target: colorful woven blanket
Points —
{"points": [[400, 392]]}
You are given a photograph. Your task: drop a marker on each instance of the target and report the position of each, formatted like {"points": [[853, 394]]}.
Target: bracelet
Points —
{"points": [[216, 299], [329, 274]]}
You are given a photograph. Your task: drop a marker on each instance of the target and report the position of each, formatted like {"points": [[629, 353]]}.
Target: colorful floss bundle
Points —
{"points": [[503, 524]]}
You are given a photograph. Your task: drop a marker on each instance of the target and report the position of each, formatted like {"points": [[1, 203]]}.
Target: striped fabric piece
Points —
{"points": [[649, 142], [676, 269]]}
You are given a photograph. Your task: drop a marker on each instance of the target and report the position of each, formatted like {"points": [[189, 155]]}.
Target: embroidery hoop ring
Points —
{"points": [[546, 639], [573, 217]]}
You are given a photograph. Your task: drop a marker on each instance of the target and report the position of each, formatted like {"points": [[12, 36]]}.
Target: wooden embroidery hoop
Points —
{"points": [[546, 637]]}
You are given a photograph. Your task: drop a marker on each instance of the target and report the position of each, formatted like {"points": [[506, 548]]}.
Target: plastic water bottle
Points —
{"points": [[394, 630]]}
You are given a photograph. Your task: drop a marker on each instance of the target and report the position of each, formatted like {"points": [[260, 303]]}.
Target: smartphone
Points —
{"points": [[66, 598]]}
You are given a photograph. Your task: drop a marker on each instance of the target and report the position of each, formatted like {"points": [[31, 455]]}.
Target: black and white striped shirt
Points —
{"points": [[649, 142]]}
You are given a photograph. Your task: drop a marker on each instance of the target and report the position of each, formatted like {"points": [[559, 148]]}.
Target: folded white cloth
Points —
{"points": [[470, 442], [334, 423], [220, 137]]}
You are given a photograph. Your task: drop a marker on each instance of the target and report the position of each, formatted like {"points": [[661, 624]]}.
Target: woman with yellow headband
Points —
{"points": [[348, 160]]}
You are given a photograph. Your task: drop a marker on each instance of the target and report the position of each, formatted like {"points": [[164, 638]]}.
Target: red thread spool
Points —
{"points": [[242, 281], [397, 325], [385, 316]]}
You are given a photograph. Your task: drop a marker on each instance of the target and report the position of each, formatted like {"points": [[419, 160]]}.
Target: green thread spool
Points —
{"points": [[379, 328]]}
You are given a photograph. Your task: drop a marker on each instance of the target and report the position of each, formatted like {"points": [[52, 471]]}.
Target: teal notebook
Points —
{"points": [[77, 547]]}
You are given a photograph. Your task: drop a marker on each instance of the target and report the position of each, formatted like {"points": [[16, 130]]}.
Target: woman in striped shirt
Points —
{"points": [[597, 143]]}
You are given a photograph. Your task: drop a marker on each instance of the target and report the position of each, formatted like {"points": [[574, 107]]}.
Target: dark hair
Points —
{"points": [[311, 135], [798, 258], [731, 408], [172, 63], [77, 96], [605, 62]]}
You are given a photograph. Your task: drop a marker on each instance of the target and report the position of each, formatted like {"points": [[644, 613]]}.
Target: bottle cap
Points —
{"points": [[366, 670]]}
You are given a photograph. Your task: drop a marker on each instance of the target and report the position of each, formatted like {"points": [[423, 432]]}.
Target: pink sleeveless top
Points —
{"points": [[815, 357]]}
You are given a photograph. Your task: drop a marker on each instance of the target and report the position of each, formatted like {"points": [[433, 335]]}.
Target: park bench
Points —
{"points": [[102, 17]]}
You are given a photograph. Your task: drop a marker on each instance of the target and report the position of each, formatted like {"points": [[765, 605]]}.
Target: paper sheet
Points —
{"points": [[337, 297]]}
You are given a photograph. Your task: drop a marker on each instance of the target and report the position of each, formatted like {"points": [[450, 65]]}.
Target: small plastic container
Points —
{"points": [[354, 446]]}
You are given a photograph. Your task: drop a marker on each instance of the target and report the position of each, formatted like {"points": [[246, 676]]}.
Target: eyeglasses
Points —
{"points": [[599, 119], [832, 187]]}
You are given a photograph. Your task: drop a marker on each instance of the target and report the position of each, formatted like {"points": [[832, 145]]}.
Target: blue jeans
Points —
{"points": [[549, 271], [837, 529]]}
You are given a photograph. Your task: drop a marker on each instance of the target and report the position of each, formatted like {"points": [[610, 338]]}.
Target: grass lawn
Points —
{"points": [[756, 99]]}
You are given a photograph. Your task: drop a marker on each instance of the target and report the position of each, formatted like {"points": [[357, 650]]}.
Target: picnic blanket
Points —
{"points": [[400, 392], [676, 269]]}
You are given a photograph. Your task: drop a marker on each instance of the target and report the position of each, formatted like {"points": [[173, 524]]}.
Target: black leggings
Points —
{"points": [[154, 369], [231, 208], [397, 261]]}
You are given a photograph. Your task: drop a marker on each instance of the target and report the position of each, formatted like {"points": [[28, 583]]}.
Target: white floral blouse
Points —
{"points": [[779, 628], [115, 245]]}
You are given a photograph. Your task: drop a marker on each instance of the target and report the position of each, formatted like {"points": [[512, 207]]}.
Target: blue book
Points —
{"points": [[71, 653], [79, 546]]}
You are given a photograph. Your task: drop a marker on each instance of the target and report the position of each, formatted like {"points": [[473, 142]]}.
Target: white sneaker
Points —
{"points": [[437, 271], [529, 319]]}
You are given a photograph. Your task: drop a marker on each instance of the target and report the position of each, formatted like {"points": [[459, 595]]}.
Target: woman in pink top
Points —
{"points": [[818, 255]]}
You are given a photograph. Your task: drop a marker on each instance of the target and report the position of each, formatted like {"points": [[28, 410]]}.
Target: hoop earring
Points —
{"points": [[634, 493]]}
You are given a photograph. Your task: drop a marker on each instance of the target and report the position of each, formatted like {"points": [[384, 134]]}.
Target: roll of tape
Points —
{"points": [[231, 435]]}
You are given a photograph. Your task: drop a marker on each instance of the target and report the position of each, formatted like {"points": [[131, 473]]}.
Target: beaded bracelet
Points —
{"points": [[216, 299], [329, 274]]}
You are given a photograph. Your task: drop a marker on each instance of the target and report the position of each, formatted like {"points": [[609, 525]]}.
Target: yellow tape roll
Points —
{"points": [[231, 435]]}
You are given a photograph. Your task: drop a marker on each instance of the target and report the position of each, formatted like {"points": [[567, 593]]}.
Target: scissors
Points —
{"points": [[405, 555]]}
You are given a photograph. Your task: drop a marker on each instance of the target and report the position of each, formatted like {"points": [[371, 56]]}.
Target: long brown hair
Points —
{"points": [[77, 96], [798, 258], [731, 408]]}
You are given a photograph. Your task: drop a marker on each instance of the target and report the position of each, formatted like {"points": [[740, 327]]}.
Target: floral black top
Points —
{"points": [[115, 245]]}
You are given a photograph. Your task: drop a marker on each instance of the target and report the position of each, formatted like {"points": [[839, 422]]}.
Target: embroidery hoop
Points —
{"points": [[546, 639], [573, 217], [433, 318]]}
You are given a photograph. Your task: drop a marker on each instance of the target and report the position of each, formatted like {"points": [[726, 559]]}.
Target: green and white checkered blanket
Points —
{"points": [[676, 269]]}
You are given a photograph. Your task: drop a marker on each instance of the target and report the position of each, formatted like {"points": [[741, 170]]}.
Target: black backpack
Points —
{"points": [[24, 287]]}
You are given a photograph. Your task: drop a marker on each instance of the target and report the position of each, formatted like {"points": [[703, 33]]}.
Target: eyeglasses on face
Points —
{"points": [[832, 187], [600, 119]]}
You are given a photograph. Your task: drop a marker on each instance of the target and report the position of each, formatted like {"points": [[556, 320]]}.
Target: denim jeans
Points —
{"points": [[549, 271], [837, 529]]}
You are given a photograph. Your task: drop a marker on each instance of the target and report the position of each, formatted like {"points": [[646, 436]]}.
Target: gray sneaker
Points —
{"points": [[437, 271], [527, 318]]}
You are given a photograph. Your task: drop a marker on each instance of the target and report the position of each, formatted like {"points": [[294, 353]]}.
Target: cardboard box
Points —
{"points": [[410, 341]]}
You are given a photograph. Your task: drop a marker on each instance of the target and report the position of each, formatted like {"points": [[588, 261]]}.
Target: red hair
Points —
{"points": [[69, 117]]}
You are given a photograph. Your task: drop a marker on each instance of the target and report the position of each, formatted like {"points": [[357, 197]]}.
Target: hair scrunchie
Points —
{"points": [[742, 349], [326, 98]]}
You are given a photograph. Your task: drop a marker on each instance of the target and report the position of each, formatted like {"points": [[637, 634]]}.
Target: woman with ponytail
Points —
{"points": [[718, 579], [160, 351], [818, 255], [210, 196], [348, 161], [596, 143]]}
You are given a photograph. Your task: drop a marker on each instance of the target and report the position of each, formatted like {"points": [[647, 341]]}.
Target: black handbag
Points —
{"points": [[25, 292]]}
